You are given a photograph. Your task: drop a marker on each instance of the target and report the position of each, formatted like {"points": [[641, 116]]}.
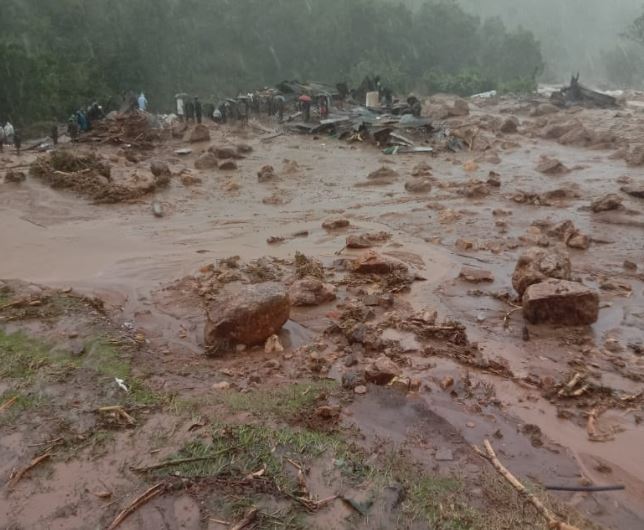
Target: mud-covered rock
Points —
{"points": [[265, 174], [472, 275], [536, 265], [418, 185], [578, 241], [551, 166], [225, 151], [373, 263], [227, 165], [635, 156], [635, 190], [544, 109], [366, 240], [206, 161], [560, 302], [160, 169], [383, 175], [353, 379], [607, 203], [335, 222], [199, 134], [311, 292], [248, 315], [510, 125], [422, 169], [459, 108], [382, 371]]}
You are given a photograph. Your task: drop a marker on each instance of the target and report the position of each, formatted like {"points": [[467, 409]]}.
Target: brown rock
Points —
{"points": [[373, 263], [475, 189], [382, 371], [423, 169], [244, 148], [327, 412], [560, 302], [265, 174], [510, 125], [190, 180], [544, 109], [160, 169], [311, 292], [579, 241], [225, 151], [418, 185], [206, 161], [551, 166], [630, 265], [384, 175], [634, 191], [335, 222], [459, 108], [247, 315], [470, 274], [199, 134], [536, 265], [606, 203], [366, 240], [635, 156], [228, 165]]}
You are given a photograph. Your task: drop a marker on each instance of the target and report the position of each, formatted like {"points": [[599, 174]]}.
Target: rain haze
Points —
{"points": [[321, 264]]}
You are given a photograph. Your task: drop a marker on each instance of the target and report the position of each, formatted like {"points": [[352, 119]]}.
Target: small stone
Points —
{"points": [[382, 371], [402, 384], [613, 346], [551, 166], [447, 382], [352, 379], [630, 265], [473, 275], [470, 424], [634, 191], [223, 385], [227, 165], [418, 185], [509, 125], [273, 345], [206, 161], [327, 412], [265, 174], [200, 134], [606, 203], [360, 390], [335, 222]]}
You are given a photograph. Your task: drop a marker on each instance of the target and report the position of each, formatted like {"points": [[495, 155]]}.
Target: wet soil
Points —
{"points": [[144, 268]]}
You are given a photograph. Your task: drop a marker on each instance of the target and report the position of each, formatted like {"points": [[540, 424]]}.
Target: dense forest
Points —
{"points": [[57, 55]]}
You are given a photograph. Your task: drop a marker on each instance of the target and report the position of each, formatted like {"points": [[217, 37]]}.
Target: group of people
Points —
{"points": [[10, 136], [81, 121], [189, 110]]}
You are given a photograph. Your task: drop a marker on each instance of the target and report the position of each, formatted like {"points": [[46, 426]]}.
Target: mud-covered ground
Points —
{"points": [[97, 294]]}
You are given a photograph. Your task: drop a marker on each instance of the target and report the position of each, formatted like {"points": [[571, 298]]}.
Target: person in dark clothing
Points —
{"points": [[280, 103], [243, 109], [305, 105], [54, 134], [198, 110], [17, 141], [73, 130], [190, 111]]}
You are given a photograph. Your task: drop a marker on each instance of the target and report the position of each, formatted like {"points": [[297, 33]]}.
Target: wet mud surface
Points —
{"points": [[504, 381]]}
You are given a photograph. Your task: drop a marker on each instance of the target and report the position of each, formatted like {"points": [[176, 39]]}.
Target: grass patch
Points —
{"points": [[21, 356], [22, 403]]}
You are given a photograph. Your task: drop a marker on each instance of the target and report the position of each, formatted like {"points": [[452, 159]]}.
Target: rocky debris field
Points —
{"points": [[263, 330]]}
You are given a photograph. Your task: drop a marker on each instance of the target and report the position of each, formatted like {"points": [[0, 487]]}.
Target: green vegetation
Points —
{"points": [[21, 356], [57, 56]]}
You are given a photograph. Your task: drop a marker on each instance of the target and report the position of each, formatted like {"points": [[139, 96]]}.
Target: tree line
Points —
{"points": [[58, 56]]}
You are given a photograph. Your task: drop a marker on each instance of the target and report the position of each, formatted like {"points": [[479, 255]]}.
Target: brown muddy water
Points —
{"points": [[126, 256]]}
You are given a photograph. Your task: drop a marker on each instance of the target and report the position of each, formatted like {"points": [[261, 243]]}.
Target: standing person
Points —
{"points": [[306, 108], [181, 106], [54, 134], [190, 111], [280, 103], [8, 133], [143, 102], [73, 130], [1, 137], [198, 109], [17, 141]]}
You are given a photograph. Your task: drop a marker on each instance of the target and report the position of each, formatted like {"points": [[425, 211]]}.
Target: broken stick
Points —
{"points": [[16, 477], [180, 461], [137, 503], [8, 403], [553, 522], [594, 434]]}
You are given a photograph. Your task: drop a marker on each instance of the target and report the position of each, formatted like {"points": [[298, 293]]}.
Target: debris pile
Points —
{"points": [[136, 129]]}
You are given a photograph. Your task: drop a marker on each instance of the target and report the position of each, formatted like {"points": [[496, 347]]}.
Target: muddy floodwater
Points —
{"points": [[485, 206]]}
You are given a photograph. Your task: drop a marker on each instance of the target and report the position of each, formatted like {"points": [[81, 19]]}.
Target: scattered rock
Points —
{"points": [[227, 165], [615, 285], [360, 390], [536, 265], [373, 263], [544, 109], [265, 174], [475, 189], [613, 345], [231, 185], [418, 185], [560, 302], [384, 175], [366, 240], [494, 179], [579, 241], [190, 180], [327, 412], [423, 169], [248, 315], [277, 198], [273, 345], [635, 156], [223, 385], [460, 108], [470, 166], [244, 149], [225, 151], [335, 222], [199, 134], [630, 265], [470, 274], [382, 371], [206, 161], [551, 166], [447, 382], [634, 191], [311, 292], [607, 203], [160, 169], [510, 125], [353, 379], [15, 177]]}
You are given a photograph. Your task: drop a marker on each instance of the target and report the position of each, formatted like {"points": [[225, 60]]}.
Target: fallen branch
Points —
{"points": [[181, 461], [137, 503], [7, 404], [119, 412], [553, 522], [247, 520], [508, 315], [16, 477]]}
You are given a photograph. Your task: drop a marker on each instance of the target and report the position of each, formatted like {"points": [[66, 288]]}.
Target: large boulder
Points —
{"points": [[247, 315], [311, 292], [510, 125], [606, 203], [636, 190], [560, 302], [635, 156], [199, 134], [206, 161], [225, 151], [160, 169], [544, 109], [373, 263], [418, 185], [536, 265], [382, 371]]}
